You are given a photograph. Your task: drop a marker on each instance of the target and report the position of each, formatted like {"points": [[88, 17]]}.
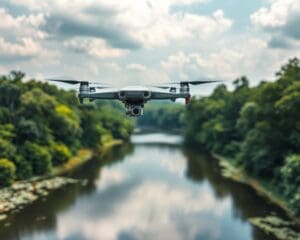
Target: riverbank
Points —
{"points": [[22, 193], [229, 170], [265, 189]]}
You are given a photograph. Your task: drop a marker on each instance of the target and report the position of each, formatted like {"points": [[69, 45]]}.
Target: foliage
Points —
{"points": [[38, 156], [60, 154], [43, 126], [258, 126], [162, 115], [290, 176], [7, 172]]}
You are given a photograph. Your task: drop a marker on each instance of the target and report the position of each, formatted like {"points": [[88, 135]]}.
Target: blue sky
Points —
{"points": [[148, 41]]}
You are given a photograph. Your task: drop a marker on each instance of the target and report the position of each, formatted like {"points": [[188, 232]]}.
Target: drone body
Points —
{"points": [[133, 97]]}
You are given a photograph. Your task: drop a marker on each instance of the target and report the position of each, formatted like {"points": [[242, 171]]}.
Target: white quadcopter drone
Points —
{"points": [[134, 97]]}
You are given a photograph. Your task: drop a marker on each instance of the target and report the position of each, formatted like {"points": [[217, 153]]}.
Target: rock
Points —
{"points": [[281, 229], [84, 182], [24, 193], [8, 224], [3, 217], [2, 207], [41, 218]]}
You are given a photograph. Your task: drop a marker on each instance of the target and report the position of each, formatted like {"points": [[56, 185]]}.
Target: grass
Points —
{"points": [[83, 156]]}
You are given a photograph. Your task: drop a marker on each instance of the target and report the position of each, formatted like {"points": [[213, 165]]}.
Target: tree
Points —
{"points": [[10, 97], [7, 172], [65, 125], [290, 176], [28, 130], [60, 154], [23, 168], [7, 149], [38, 156]]}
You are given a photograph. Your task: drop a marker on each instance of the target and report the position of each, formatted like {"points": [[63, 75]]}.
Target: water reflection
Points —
{"points": [[152, 190]]}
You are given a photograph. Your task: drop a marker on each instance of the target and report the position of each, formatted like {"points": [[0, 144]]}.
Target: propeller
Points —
{"points": [[161, 86], [196, 82], [73, 81]]}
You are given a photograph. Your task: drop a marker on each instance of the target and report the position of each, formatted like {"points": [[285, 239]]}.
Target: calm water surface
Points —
{"points": [[152, 189]]}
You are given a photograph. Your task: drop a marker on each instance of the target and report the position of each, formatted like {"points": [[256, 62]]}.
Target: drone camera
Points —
{"points": [[135, 110]]}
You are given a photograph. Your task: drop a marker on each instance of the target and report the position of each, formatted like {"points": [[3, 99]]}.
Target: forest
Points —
{"points": [[257, 127], [162, 115], [42, 126]]}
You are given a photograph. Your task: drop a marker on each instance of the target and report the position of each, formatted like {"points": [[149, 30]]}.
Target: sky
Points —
{"points": [[145, 42]]}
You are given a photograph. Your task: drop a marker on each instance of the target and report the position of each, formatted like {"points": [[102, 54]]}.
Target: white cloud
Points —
{"points": [[135, 67], [3, 70], [94, 47], [159, 28], [21, 26], [146, 21], [27, 48], [177, 60], [281, 23], [249, 56], [277, 15], [21, 37]]}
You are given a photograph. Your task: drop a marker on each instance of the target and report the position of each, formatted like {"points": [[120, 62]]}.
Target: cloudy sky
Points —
{"points": [[148, 41]]}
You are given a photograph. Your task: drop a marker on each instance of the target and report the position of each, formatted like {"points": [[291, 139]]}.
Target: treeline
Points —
{"points": [[259, 127], [162, 115], [42, 126]]}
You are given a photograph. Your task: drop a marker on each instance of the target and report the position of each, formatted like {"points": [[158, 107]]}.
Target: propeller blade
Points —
{"points": [[69, 81], [196, 82], [200, 82], [102, 87], [73, 81], [162, 87]]}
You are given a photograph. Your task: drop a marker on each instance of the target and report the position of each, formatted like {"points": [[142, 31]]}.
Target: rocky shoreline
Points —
{"points": [[20, 194]]}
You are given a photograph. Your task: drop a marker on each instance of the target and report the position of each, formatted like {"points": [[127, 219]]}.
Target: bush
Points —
{"points": [[7, 149], [290, 176], [7, 172], [38, 156], [23, 168], [60, 154]]}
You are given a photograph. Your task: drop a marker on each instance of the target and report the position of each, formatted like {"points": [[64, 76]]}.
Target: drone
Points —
{"points": [[134, 97]]}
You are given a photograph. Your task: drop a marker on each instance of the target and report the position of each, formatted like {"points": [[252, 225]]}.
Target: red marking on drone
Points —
{"points": [[187, 99]]}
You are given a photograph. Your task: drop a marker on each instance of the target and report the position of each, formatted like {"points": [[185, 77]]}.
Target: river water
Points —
{"points": [[151, 189]]}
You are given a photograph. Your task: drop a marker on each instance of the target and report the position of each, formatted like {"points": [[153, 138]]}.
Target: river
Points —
{"points": [[151, 189]]}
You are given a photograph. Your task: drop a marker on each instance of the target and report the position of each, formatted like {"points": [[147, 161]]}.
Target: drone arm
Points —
{"points": [[106, 94], [161, 95]]}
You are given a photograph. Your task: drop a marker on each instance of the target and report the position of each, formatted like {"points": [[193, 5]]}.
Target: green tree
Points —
{"points": [[23, 168], [7, 172], [60, 154], [65, 125], [290, 176], [38, 156], [7, 149]]}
